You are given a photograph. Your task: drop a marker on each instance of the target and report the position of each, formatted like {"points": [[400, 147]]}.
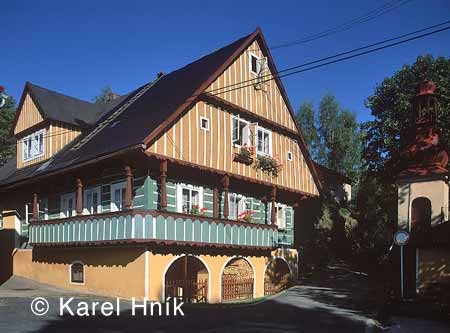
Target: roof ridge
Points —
{"points": [[102, 123], [31, 85]]}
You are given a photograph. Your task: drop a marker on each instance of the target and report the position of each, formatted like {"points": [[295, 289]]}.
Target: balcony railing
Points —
{"points": [[143, 226]]}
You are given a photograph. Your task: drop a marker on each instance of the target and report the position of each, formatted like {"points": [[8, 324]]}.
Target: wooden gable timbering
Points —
{"points": [[29, 115], [212, 148], [268, 102]]}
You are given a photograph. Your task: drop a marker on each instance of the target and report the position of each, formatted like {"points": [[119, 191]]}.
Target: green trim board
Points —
{"points": [[146, 226]]}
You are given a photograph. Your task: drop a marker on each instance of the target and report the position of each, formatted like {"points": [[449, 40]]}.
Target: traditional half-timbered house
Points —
{"points": [[187, 186]]}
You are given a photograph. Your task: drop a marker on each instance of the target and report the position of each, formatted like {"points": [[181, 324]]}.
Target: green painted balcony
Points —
{"points": [[151, 226]]}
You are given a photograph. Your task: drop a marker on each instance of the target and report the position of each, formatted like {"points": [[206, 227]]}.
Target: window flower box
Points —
{"points": [[245, 155], [269, 165]]}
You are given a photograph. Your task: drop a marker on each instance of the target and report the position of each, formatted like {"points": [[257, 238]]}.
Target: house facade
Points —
{"points": [[186, 187]]}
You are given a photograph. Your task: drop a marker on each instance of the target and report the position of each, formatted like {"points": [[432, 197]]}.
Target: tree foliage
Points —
{"points": [[332, 134], [392, 107], [106, 96], [7, 144]]}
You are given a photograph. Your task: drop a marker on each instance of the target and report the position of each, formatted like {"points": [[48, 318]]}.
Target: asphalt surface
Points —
{"points": [[336, 303]]}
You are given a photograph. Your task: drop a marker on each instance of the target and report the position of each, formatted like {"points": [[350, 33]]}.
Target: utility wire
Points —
{"points": [[339, 55], [371, 15], [278, 75]]}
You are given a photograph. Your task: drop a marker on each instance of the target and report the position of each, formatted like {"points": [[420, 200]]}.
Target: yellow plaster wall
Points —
{"points": [[117, 272], [158, 264]]}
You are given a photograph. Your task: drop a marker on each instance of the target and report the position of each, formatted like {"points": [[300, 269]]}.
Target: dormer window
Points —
{"points": [[33, 145]]}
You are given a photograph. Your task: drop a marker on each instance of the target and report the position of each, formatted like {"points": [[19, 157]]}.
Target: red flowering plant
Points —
{"points": [[246, 216], [269, 165], [245, 154], [196, 210]]}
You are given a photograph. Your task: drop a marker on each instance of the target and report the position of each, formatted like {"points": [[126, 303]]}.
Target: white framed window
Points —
{"points": [[189, 198], [118, 196], [280, 211], [33, 145], [263, 141], [68, 204], [92, 200], [254, 64], [240, 131], [237, 205], [204, 123], [289, 156], [76, 272]]}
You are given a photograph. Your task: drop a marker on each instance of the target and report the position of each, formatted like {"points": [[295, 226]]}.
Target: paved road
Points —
{"points": [[336, 303]]}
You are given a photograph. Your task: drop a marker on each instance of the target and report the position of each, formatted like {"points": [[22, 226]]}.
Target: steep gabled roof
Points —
{"points": [[145, 113], [55, 106]]}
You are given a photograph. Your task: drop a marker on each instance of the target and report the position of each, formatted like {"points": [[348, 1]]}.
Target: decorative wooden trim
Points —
{"points": [[128, 187], [141, 242], [216, 202], [231, 175], [273, 198], [226, 186], [79, 209], [154, 213], [35, 207], [253, 117], [163, 178]]}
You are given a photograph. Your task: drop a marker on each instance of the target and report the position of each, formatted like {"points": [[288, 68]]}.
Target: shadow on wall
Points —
{"points": [[7, 244], [97, 257]]}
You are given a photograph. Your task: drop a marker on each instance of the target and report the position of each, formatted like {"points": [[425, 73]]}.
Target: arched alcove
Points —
{"points": [[277, 276], [238, 280], [186, 278], [420, 216]]}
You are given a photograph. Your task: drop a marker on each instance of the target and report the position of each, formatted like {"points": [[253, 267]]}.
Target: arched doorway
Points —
{"points": [[238, 279], [277, 276], [187, 279], [420, 216]]}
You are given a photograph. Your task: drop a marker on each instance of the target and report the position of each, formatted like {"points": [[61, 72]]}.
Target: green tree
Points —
{"points": [[332, 135], [106, 96], [306, 117], [392, 109], [7, 143], [392, 106]]}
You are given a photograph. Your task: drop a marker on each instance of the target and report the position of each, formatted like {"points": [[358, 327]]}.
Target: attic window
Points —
{"points": [[204, 123], [33, 145], [254, 64]]}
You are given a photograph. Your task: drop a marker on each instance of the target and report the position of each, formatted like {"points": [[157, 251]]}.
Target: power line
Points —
{"points": [[371, 15], [336, 55], [277, 75]]}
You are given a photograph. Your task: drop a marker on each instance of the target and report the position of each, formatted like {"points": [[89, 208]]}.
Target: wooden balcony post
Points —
{"points": [[128, 187], [163, 178], [216, 202], [79, 197], [225, 186], [35, 207], [273, 197]]}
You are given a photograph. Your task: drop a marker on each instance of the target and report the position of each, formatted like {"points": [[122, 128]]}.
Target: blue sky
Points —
{"points": [[78, 47]]}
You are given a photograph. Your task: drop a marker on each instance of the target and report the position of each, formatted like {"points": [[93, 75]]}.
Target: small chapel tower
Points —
{"points": [[423, 188]]}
